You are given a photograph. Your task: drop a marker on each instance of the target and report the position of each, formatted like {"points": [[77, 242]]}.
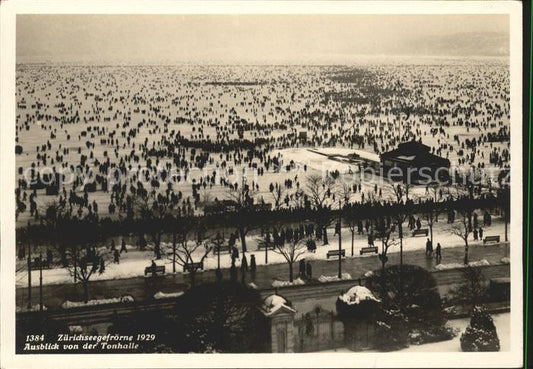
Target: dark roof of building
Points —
{"points": [[414, 153]]}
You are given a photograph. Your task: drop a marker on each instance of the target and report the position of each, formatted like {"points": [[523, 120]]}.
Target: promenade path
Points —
{"points": [[142, 288]]}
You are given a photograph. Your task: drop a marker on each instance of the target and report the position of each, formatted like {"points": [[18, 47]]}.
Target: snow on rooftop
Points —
{"points": [[406, 157], [273, 303], [357, 294]]}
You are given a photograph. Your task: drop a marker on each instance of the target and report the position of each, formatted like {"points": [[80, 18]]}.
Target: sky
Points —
{"points": [[229, 39]]}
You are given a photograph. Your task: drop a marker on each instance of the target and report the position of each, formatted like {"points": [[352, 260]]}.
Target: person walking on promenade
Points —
{"points": [[429, 247], [116, 257], [123, 247], [153, 268], [302, 268], [438, 253]]}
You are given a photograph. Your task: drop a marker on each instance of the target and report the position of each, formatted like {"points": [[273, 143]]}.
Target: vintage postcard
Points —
{"points": [[311, 184]]}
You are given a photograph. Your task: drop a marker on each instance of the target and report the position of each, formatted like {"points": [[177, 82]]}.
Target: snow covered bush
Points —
{"points": [[481, 334], [162, 295], [483, 262], [296, 282], [472, 289], [431, 334], [334, 278], [411, 293], [391, 331], [410, 289]]}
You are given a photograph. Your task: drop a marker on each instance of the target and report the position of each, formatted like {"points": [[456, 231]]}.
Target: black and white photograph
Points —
{"points": [[283, 178]]}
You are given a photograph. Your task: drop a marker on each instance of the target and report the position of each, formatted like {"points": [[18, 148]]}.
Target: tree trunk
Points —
{"points": [[290, 273], [242, 235], [383, 280], [85, 291], [75, 264], [506, 228], [192, 277], [353, 235], [157, 246], [174, 253], [466, 252]]}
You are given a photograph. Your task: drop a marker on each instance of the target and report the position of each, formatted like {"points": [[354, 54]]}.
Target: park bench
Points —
{"points": [[36, 264], [262, 246], [491, 239], [368, 249], [159, 269], [421, 231], [193, 266], [225, 248], [342, 252]]}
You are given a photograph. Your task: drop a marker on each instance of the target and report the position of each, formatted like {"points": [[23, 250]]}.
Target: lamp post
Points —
{"points": [[29, 276], [340, 242], [41, 281]]}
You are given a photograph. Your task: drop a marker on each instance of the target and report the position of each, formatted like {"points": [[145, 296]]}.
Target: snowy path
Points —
{"points": [[132, 264]]}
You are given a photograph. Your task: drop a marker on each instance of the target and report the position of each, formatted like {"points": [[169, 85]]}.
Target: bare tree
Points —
{"points": [[472, 288], [319, 191], [278, 193], [154, 214], [384, 232], [401, 191], [430, 216], [345, 194], [462, 229], [243, 197], [217, 242], [190, 253], [86, 263], [298, 199], [291, 251]]}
